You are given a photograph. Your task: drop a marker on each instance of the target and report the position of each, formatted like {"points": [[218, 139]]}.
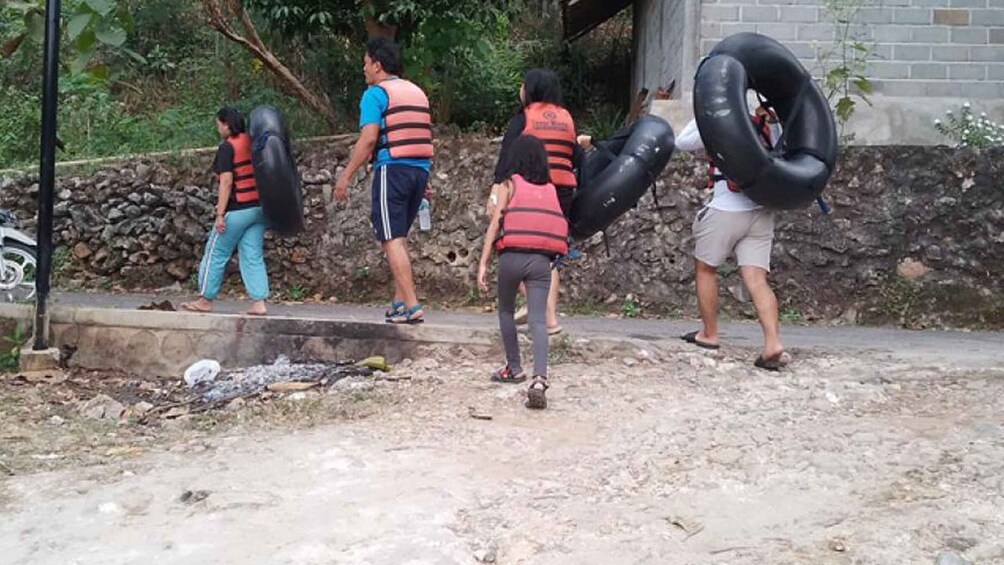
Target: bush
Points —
{"points": [[967, 130]]}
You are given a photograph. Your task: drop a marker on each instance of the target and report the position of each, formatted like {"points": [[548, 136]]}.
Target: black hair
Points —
{"points": [[383, 50], [233, 118], [528, 158], [542, 85]]}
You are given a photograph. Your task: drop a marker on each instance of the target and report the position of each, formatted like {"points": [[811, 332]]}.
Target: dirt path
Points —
{"points": [[659, 456]]}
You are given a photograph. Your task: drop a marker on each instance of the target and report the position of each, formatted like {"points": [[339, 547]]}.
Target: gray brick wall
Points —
{"points": [[951, 48], [659, 31]]}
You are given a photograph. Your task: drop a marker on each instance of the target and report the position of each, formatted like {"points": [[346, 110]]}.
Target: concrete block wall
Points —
{"points": [[924, 48]]}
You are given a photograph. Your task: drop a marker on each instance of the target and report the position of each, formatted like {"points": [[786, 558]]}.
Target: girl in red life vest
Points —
{"points": [[240, 224], [542, 116], [529, 232]]}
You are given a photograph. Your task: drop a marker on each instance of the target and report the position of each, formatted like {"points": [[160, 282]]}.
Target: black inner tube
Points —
{"points": [[796, 171], [616, 175]]}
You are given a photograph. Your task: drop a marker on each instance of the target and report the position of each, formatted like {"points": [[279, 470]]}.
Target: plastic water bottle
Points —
{"points": [[424, 219]]}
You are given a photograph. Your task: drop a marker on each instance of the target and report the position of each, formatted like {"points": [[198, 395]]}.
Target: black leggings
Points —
{"points": [[534, 270]]}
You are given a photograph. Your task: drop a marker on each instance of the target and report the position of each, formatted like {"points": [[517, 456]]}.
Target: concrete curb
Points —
{"points": [[153, 343]]}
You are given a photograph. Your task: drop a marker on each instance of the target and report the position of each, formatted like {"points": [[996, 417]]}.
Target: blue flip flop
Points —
{"points": [[408, 316]]}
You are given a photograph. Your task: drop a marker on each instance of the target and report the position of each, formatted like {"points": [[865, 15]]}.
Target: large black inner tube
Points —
{"points": [[795, 173], [614, 176], [275, 173]]}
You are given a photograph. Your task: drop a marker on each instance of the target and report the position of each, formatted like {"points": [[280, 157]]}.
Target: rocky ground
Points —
{"points": [[652, 454]]}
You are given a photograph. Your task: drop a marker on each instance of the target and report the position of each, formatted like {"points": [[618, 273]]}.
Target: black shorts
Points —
{"points": [[397, 193], [565, 197]]}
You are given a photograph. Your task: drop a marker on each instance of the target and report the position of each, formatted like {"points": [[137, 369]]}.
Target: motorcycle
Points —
{"points": [[18, 260]]}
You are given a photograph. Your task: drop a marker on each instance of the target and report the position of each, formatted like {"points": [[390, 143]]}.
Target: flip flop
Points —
{"points": [[408, 316], [395, 310], [191, 307], [505, 375], [555, 330], [769, 364], [692, 338]]}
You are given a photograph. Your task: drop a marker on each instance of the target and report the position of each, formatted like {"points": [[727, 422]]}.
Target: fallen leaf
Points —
{"points": [[477, 415], [689, 527]]}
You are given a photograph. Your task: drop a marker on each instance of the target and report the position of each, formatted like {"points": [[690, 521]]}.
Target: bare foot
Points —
{"points": [[257, 308], [201, 305]]}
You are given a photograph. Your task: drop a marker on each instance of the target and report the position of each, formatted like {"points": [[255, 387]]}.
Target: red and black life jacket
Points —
{"points": [[763, 129], [553, 125], [407, 128], [245, 191], [532, 220]]}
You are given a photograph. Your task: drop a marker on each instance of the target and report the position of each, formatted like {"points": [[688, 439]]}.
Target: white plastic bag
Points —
{"points": [[204, 371]]}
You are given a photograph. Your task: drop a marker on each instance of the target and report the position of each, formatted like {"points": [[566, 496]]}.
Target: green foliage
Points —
{"points": [[844, 63], [631, 308], [158, 89], [298, 292], [967, 130], [87, 27], [603, 122], [10, 354]]}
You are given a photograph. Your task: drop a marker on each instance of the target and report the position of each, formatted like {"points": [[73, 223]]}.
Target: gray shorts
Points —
{"points": [[719, 234]]}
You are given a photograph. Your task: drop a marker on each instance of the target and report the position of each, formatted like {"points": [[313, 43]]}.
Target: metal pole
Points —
{"points": [[47, 173]]}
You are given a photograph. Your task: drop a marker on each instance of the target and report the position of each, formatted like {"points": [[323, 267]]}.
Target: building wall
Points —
{"points": [[932, 55], [659, 32], [925, 48]]}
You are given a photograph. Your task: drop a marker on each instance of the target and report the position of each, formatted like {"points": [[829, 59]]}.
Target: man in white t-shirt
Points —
{"points": [[733, 224]]}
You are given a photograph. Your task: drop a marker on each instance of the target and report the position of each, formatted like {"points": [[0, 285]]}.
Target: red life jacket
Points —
{"points": [[407, 128], [532, 221], [245, 190], [553, 125], [763, 129]]}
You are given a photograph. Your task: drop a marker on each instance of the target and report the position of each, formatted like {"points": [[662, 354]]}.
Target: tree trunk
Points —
{"points": [[220, 14]]}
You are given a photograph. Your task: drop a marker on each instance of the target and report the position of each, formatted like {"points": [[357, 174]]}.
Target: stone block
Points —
{"points": [[995, 72], [967, 71], [930, 34], [911, 53], [917, 16], [778, 31], [716, 13], [951, 17], [987, 17], [44, 360], [733, 28], [893, 34], [800, 14], [889, 70], [968, 3], [958, 53], [929, 71], [759, 14], [996, 36], [931, 3], [815, 32], [970, 36], [991, 54], [875, 15]]}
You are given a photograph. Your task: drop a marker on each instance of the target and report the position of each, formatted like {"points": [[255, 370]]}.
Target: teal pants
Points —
{"points": [[245, 232]]}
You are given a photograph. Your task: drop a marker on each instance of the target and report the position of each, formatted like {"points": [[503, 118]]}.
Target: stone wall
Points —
{"points": [[916, 237]]}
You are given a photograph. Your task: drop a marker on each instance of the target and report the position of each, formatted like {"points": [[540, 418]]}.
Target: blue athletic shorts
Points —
{"points": [[397, 194]]}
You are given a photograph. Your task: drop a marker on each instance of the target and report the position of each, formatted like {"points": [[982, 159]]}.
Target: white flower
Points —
{"points": [[966, 105], [937, 122], [983, 114]]}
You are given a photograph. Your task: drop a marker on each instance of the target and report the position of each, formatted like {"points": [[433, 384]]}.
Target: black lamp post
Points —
{"points": [[47, 173]]}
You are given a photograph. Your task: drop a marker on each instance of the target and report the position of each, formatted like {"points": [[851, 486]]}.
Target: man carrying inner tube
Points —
{"points": [[542, 116], [733, 224]]}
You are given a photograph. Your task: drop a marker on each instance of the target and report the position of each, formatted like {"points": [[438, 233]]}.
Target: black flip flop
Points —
{"points": [[692, 338], [771, 364]]}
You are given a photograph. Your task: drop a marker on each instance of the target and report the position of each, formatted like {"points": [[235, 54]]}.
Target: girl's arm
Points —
{"points": [[491, 233]]}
